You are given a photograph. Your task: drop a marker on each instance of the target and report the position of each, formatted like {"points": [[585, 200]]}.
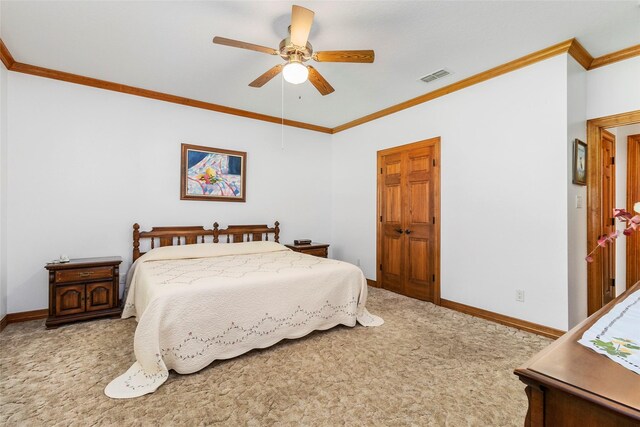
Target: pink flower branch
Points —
{"points": [[632, 224]]}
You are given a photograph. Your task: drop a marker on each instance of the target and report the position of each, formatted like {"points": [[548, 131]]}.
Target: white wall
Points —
{"points": [[614, 89], [621, 134], [3, 190], [94, 162], [577, 217], [504, 192], [87, 163]]}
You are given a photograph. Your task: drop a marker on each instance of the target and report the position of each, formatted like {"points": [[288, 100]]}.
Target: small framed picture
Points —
{"points": [[213, 174], [579, 162]]}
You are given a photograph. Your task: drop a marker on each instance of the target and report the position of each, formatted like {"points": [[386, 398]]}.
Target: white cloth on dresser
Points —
{"points": [[199, 303], [617, 333]]}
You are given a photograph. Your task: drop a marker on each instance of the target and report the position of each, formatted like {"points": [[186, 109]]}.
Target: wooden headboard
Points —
{"points": [[188, 235]]}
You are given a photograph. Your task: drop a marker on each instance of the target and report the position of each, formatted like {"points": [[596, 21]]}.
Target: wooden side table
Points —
{"points": [[83, 288], [316, 249]]}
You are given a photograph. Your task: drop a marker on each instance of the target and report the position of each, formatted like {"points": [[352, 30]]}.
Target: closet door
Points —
{"points": [[392, 262], [408, 208], [419, 223]]}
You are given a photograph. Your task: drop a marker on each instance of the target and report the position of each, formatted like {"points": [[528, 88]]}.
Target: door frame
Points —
{"points": [[595, 214], [431, 142], [609, 252], [633, 195]]}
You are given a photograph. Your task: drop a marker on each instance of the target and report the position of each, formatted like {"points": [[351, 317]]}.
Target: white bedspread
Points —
{"points": [[198, 303]]}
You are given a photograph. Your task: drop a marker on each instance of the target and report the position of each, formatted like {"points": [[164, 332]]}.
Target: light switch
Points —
{"points": [[579, 202]]}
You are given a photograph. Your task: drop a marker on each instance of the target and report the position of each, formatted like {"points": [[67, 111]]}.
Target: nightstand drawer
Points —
{"points": [[321, 252], [80, 274], [315, 249]]}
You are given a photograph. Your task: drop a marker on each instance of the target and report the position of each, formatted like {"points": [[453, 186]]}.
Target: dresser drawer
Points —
{"points": [[80, 274]]}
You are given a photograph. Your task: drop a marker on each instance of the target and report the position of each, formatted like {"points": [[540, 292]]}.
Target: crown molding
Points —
{"points": [[588, 62], [19, 67], [571, 47], [532, 58], [616, 56], [34, 70], [5, 56], [580, 54]]}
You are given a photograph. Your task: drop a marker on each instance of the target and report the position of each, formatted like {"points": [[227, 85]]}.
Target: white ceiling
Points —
{"points": [[166, 46]]}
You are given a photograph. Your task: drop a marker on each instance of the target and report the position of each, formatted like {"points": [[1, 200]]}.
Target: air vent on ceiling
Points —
{"points": [[435, 75]]}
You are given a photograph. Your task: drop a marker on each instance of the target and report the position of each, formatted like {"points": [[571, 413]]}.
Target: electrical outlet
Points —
{"points": [[123, 278], [519, 295], [358, 262]]}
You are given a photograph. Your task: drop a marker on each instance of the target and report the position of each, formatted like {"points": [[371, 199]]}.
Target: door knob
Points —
{"points": [[399, 230], [407, 231]]}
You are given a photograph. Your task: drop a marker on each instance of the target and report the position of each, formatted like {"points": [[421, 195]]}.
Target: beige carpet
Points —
{"points": [[425, 366]]}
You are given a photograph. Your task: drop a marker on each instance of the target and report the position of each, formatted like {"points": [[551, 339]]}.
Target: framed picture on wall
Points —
{"points": [[213, 174], [579, 162]]}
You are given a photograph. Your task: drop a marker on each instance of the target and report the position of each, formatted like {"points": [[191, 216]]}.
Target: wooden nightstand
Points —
{"points": [[83, 288], [317, 249]]}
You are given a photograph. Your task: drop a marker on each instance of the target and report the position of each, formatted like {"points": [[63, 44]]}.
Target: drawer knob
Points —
{"points": [[86, 273]]}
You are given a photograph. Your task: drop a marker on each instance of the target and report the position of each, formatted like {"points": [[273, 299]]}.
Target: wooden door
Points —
{"points": [[633, 196], [608, 222], [419, 223], [408, 209], [99, 295], [69, 299], [392, 232]]}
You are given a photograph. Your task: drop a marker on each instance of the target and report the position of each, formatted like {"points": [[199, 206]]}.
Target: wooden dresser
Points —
{"points": [[571, 385], [84, 288], [317, 249]]}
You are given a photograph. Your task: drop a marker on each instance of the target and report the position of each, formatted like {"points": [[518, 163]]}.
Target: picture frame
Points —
{"points": [[579, 162], [212, 174]]}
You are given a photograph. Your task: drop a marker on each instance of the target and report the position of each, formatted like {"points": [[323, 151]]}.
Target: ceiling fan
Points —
{"points": [[297, 50]]}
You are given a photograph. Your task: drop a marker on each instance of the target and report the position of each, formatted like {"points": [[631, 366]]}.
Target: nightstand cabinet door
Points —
{"points": [[99, 295], [83, 289], [70, 299]]}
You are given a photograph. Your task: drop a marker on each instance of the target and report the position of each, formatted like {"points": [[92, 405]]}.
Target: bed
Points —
{"points": [[197, 299]]}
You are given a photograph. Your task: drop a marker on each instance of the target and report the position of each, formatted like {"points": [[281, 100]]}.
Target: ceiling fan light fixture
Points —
{"points": [[296, 50], [295, 72]]}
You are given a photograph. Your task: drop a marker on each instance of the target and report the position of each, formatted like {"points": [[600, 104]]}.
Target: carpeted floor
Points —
{"points": [[425, 366]]}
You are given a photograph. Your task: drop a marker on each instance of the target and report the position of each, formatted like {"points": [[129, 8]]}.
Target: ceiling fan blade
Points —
{"points": [[263, 79], [243, 45], [301, 21], [345, 56], [319, 82]]}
